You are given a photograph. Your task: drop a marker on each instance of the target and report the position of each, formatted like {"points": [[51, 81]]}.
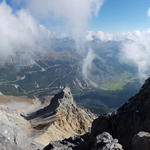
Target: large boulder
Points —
{"points": [[141, 141], [105, 141]]}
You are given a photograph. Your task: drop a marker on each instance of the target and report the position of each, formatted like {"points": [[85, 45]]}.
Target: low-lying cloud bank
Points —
{"points": [[134, 50]]}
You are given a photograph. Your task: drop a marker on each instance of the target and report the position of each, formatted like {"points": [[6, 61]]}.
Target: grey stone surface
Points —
{"points": [[141, 141], [5, 144], [11, 135], [103, 141]]}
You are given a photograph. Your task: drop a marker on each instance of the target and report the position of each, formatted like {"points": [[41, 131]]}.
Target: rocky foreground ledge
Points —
{"points": [[130, 124], [102, 141]]}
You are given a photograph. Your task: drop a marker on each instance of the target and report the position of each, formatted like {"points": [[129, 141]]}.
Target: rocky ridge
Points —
{"points": [[61, 116], [130, 124], [58, 118]]}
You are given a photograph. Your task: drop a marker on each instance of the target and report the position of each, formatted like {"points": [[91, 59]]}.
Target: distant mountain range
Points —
{"points": [[108, 85]]}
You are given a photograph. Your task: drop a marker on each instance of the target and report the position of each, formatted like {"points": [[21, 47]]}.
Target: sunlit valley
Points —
{"points": [[108, 85]]}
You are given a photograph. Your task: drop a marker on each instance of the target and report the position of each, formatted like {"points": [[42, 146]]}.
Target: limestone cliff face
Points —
{"points": [[60, 119]]}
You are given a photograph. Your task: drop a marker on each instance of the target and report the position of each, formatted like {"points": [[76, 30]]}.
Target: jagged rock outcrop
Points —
{"points": [[60, 119], [103, 141], [141, 141], [131, 118]]}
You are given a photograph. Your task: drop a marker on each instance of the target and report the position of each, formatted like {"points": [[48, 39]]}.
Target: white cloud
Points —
{"points": [[100, 35], [19, 33], [104, 36], [148, 12], [87, 63], [75, 14], [136, 51]]}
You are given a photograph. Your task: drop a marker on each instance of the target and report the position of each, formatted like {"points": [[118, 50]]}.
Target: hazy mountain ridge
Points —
{"points": [[63, 67]]}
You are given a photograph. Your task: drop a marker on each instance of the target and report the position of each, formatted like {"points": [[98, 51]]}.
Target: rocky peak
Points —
{"points": [[57, 119], [61, 116], [60, 101], [66, 101]]}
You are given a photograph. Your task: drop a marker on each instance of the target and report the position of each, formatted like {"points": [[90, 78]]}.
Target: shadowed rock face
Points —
{"points": [[132, 117], [60, 119]]}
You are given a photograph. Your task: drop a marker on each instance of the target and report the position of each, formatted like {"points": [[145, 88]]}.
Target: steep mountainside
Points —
{"points": [[131, 118], [130, 124]]}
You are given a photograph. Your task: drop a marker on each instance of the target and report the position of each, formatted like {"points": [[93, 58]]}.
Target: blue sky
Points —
{"points": [[116, 16], [122, 16]]}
